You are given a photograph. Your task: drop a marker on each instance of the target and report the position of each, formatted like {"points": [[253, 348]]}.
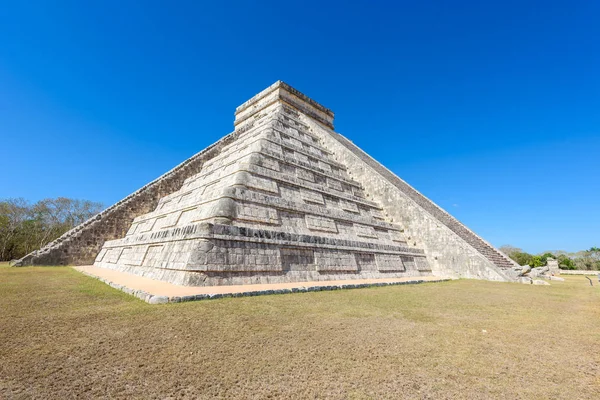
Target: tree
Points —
{"points": [[546, 256], [510, 250], [25, 227], [590, 259], [565, 262], [12, 214], [594, 253], [522, 258], [536, 261]]}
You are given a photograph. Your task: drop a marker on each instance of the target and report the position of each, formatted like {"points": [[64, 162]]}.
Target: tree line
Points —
{"points": [[26, 226], [584, 260]]}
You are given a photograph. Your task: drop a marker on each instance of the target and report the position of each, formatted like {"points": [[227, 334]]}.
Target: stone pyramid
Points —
{"points": [[282, 198]]}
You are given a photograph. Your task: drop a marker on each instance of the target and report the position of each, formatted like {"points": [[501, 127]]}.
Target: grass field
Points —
{"points": [[65, 335]]}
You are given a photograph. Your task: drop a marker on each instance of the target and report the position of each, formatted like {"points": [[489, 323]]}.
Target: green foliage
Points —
{"points": [[546, 256], [585, 260], [522, 258], [564, 262], [536, 261], [589, 259], [25, 227]]}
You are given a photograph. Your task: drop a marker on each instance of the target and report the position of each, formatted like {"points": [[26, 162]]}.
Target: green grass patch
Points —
{"points": [[64, 334]]}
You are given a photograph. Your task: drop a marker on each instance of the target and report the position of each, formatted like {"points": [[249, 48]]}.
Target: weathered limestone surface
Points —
{"points": [[272, 206], [283, 198], [553, 266]]}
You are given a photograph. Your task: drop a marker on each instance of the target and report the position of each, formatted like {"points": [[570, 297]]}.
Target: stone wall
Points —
{"points": [[578, 272]]}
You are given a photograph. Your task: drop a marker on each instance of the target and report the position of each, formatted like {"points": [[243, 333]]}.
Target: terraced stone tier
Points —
{"points": [[211, 254]]}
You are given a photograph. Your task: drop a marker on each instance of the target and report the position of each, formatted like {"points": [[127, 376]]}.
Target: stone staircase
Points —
{"points": [[504, 263]]}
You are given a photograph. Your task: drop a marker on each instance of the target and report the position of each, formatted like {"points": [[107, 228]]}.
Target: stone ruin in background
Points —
{"points": [[282, 198], [529, 275]]}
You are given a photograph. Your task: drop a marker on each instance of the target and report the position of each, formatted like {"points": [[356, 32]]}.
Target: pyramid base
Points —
{"points": [[194, 278], [206, 254], [158, 292]]}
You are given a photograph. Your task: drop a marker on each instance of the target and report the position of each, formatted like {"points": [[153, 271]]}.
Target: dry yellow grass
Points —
{"points": [[65, 335]]}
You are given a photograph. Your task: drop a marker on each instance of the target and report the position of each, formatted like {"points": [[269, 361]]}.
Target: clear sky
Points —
{"points": [[491, 109]]}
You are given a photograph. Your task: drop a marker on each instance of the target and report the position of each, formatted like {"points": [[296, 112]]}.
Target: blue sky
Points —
{"points": [[491, 109]]}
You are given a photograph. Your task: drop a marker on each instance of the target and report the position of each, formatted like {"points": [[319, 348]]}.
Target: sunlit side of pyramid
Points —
{"points": [[273, 206]]}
